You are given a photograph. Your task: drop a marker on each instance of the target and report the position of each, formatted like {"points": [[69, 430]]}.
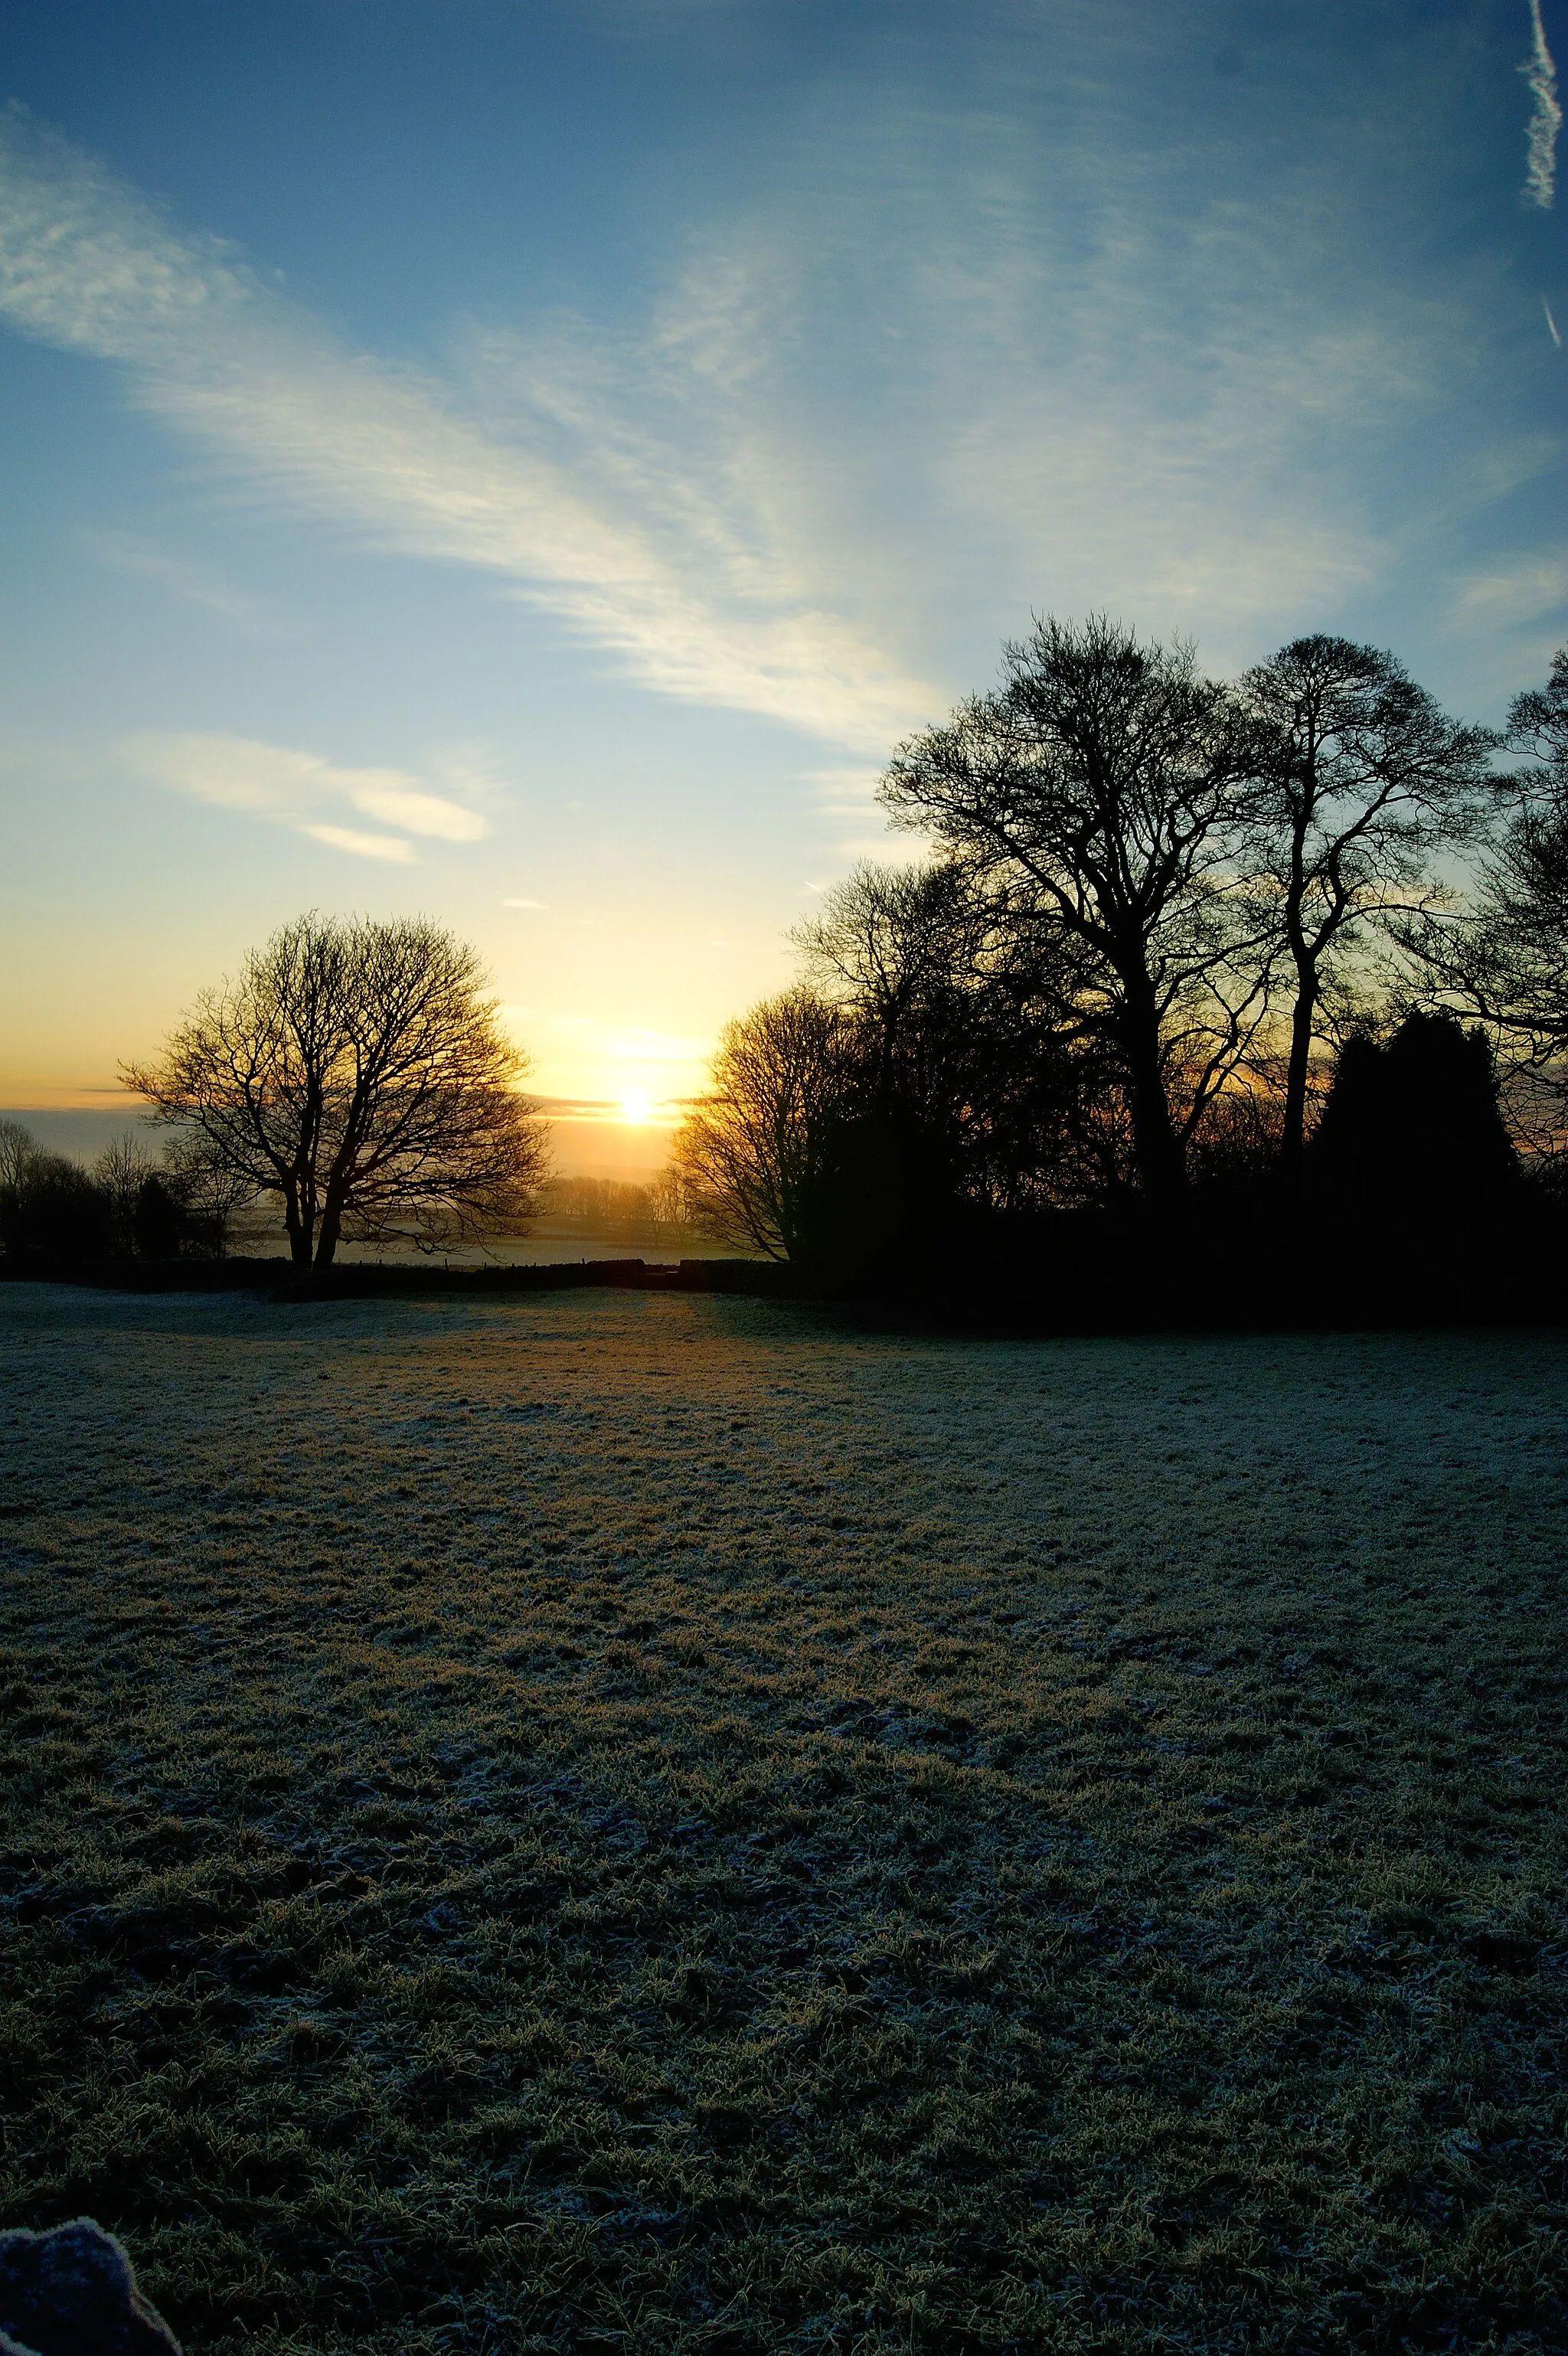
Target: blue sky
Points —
{"points": [[530, 462]]}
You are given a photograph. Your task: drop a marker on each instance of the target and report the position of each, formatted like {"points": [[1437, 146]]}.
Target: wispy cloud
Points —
{"points": [[1515, 592], [846, 793], [1552, 327], [294, 789], [924, 398], [930, 372], [87, 264], [362, 846], [1539, 71], [196, 584]]}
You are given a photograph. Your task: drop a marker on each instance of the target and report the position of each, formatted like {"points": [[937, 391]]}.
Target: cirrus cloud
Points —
{"points": [[88, 264], [294, 788]]}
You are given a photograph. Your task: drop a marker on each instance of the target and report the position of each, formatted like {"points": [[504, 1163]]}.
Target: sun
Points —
{"points": [[635, 1106]]}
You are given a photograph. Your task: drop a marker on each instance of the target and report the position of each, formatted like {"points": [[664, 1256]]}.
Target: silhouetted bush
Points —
{"points": [[1547, 1175], [161, 1227], [1236, 1154], [54, 1211], [50, 1209], [1412, 1126]]}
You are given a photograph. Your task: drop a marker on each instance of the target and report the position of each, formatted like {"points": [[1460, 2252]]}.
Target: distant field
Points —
{"points": [[672, 1824]]}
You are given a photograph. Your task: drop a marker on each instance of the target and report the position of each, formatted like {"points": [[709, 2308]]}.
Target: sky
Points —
{"points": [[529, 461]]}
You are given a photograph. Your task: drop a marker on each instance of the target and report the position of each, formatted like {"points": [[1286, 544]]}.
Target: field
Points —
{"points": [[671, 1824]]}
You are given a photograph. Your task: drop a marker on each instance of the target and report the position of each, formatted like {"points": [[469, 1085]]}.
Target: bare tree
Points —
{"points": [[20, 1153], [357, 1071], [670, 1204], [754, 1156], [1361, 779], [211, 1192], [1104, 782], [121, 1171], [975, 1058], [599, 1203], [1506, 959], [888, 938]]}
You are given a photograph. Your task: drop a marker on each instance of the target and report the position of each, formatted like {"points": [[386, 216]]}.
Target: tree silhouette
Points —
{"points": [[358, 1072], [758, 1156], [980, 1082], [1361, 779], [1104, 783], [1506, 961]]}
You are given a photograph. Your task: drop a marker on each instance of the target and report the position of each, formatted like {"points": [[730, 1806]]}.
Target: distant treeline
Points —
{"points": [[132, 1205], [659, 1210], [1184, 951], [128, 1204]]}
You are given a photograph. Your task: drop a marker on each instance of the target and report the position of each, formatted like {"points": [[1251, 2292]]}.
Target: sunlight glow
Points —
{"points": [[635, 1106]]}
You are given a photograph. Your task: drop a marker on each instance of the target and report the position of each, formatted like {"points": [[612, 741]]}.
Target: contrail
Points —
{"points": [[1546, 120], [1551, 324]]}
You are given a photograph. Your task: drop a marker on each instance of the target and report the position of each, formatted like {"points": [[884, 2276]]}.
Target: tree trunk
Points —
{"points": [[299, 1233], [1295, 1140], [1157, 1149]]}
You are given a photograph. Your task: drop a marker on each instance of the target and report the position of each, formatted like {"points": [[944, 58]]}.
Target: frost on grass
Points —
{"points": [[659, 1822]]}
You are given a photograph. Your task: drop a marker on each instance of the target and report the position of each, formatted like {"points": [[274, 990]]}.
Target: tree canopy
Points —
{"points": [[1505, 960], [1105, 783], [756, 1155], [1361, 779], [1161, 911], [357, 1071]]}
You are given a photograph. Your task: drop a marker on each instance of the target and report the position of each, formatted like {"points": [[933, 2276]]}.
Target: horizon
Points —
{"points": [[605, 1145], [531, 467]]}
